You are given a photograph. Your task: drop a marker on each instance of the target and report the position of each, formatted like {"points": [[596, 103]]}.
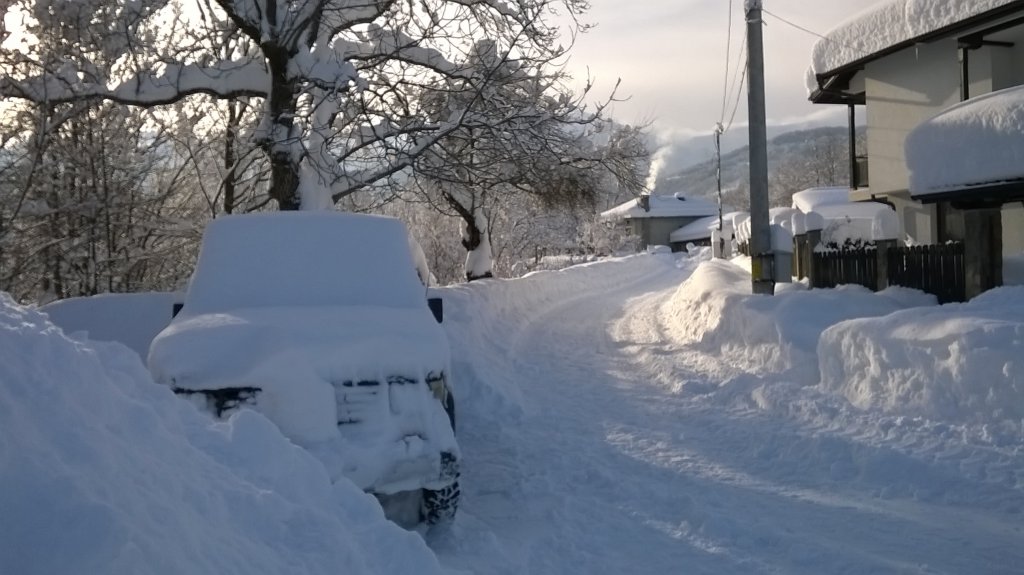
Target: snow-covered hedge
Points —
{"points": [[957, 362], [715, 309], [103, 471]]}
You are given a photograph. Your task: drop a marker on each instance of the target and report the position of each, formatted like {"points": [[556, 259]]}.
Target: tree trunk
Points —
{"points": [[283, 105], [479, 260]]}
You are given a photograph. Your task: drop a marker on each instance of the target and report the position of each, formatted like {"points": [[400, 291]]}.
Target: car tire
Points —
{"points": [[440, 505]]}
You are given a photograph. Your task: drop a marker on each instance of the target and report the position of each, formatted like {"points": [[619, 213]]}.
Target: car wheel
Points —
{"points": [[440, 505]]}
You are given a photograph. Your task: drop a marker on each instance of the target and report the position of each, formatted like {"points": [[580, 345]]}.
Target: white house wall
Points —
{"points": [[1013, 229], [902, 91]]}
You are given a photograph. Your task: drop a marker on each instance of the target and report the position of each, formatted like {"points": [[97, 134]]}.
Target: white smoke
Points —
{"points": [[657, 164]]}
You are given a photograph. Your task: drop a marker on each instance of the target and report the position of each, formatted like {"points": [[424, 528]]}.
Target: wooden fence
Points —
{"points": [[849, 266], [937, 269]]}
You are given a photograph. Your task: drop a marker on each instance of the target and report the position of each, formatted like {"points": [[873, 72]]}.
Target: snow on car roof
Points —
{"points": [[974, 143], [303, 259]]}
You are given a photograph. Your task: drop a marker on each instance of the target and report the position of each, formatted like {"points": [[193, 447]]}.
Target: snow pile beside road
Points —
{"points": [[103, 471], [715, 309], [958, 362], [133, 319], [478, 317]]}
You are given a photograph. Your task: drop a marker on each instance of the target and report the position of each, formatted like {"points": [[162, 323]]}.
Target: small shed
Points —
{"points": [[969, 155], [653, 218]]}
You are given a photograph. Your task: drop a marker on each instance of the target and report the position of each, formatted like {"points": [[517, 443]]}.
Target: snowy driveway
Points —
{"points": [[634, 453]]}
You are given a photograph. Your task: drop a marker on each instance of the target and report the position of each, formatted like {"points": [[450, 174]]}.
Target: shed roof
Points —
{"points": [[810, 199], [972, 148]]}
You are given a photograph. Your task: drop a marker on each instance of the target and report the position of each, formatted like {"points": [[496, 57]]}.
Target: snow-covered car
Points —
{"points": [[320, 322]]}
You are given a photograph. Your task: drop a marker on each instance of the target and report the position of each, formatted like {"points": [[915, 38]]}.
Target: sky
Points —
{"points": [[670, 55]]}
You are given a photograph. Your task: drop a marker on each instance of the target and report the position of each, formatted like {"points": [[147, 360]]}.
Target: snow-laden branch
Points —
{"points": [[225, 79], [379, 42]]}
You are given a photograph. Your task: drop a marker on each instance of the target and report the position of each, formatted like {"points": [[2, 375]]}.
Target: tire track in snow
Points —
{"points": [[629, 460]]}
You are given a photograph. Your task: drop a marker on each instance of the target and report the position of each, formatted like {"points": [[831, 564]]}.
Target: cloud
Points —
{"points": [[670, 55]]}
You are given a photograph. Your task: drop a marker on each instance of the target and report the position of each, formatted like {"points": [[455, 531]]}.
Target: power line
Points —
{"points": [[797, 26], [728, 54], [860, 51], [737, 82], [736, 106]]}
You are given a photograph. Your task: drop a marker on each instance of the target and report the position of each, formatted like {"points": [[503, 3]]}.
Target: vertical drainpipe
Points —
{"points": [[965, 73], [854, 179]]}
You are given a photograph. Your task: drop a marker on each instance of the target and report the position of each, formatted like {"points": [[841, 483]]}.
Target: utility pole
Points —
{"points": [[762, 259], [718, 170], [719, 249]]}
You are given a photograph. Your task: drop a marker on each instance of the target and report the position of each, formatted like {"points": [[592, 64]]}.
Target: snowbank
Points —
{"points": [[957, 362], [715, 309], [973, 143], [132, 319], [103, 471]]}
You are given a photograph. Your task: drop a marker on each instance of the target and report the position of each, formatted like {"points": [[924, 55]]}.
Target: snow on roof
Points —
{"points": [[702, 228], [974, 143], [674, 206], [852, 210], [776, 216], [695, 230], [888, 24], [811, 199]]}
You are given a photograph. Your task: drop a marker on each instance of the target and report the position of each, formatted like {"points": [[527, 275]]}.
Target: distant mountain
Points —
{"points": [[800, 159]]}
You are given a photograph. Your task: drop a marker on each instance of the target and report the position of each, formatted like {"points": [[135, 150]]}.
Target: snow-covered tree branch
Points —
{"points": [[338, 81]]}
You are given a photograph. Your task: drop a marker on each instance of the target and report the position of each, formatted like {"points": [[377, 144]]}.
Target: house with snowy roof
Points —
{"points": [[653, 218], [937, 80]]}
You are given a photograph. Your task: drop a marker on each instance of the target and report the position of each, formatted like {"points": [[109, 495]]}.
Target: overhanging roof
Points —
{"points": [[832, 83], [987, 195]]}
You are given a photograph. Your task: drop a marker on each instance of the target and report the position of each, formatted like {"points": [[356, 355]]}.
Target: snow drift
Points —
{"points": [[958, 362], [133, 319], [103, 471], [715, 309]]}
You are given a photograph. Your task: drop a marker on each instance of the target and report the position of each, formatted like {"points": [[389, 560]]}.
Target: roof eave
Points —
{"points": [[852, 68], [983, 196]]}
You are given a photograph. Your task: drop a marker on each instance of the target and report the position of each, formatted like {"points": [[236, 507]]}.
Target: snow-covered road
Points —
{"points": [[634, 452]]}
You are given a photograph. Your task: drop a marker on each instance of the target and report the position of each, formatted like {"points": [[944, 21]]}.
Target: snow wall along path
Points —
{"points": [[715, 311], [103, 471], [958, 363]]}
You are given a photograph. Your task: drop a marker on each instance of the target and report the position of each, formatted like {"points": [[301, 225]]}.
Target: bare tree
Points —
{"points": [[539, 141]]}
